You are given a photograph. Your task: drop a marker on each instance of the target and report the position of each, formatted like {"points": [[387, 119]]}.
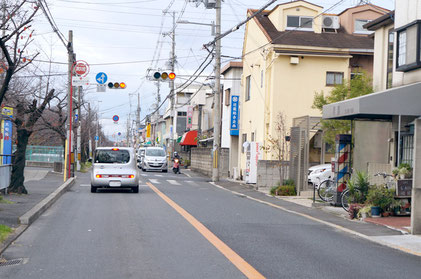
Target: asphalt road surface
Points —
{"points": [[182, 227]]}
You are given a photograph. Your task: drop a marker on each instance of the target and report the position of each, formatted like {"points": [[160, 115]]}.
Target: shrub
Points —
{"points": [[381, 197], [283, 190], [289, 182], [358, 187]]}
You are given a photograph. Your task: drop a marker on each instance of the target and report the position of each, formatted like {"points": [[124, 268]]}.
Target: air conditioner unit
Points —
{"points": [[330, 22]]}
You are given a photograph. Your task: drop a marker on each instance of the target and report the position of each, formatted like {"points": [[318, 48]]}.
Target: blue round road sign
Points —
{"points": [[119, 133], [101, 78], [116, 118]]}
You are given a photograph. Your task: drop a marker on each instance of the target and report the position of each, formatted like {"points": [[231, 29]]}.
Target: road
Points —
{"points": [[182, 227]]}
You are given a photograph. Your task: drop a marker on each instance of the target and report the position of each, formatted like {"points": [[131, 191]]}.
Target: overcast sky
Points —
{"points": [[120, 38]]}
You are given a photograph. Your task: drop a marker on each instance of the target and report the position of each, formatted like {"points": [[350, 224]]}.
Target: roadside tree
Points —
{"points": [[360, 85], [14, 44]]}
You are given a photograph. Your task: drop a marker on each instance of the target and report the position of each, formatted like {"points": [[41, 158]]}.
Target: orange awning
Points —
{"points": [[189, 138]]}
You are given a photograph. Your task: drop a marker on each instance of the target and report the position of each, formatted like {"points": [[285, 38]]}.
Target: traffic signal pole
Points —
{"points": [[217, 96]]}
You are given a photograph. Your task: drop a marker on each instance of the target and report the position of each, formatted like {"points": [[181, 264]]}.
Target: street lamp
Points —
{"points": [[200, 23]]}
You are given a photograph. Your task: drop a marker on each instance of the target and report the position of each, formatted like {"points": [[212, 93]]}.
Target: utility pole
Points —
{"points": [[138, 120], [78, 148], [217, 96], [71, 58], [89, 131]]}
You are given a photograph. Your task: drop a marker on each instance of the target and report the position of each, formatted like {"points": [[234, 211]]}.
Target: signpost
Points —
{"points": [[235, 116], [101, 78], [115, 119], [101, 88], [81, 68]]}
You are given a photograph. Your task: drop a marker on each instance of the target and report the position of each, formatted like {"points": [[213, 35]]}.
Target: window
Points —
{"points": [[182, 113], [408, 47], [407, 149], [227, 96], [261, 79], [389, 77], [110, 156], [243, 140], [333, 78], [358, 26], [300, 22], [247, 95]]}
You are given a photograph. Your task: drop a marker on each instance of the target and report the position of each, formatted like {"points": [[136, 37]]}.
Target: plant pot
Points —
{"points": [[385, 214], [375, 211], [363, 215]]}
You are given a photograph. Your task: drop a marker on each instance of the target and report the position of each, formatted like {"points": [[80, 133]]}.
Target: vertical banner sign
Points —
{"points": [[6, 128], [148, 131], [235, 116], [189, 117]]}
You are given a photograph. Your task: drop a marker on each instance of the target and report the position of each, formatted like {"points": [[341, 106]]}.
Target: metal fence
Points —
{"points": [[37, 153]]}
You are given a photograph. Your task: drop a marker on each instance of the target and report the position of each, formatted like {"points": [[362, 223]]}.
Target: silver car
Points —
{"points": [[155, 158], [114, 167]]}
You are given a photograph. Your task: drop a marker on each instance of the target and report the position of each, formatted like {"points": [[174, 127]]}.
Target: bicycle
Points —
{"points": [[389, 183], [326, 190]]}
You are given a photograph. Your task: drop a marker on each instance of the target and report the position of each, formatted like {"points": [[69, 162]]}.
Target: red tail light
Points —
{"points": [[98, 176], [131, 176]]}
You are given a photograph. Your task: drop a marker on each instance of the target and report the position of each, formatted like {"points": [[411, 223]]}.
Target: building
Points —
{"points": [[231, 97], [291, 52], [392, 134]]}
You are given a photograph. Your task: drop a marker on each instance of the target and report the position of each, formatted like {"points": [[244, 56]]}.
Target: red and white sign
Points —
{"points": [[81, 68]]}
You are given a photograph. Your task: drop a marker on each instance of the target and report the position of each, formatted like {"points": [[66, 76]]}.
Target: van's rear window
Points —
{"points": [[112, 156]]}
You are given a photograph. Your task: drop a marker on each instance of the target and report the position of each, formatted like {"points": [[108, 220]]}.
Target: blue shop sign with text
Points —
{"points": [[235, 116]]}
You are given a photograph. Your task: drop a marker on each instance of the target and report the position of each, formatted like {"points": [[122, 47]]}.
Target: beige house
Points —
{"points": [[291, 52], [397, 67]]}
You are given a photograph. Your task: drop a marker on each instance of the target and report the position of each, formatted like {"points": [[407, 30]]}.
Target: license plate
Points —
{"points": [[115, 183]]}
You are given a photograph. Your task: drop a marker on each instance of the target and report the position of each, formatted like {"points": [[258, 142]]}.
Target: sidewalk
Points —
{"points": [[387, 231], [39, 183]]}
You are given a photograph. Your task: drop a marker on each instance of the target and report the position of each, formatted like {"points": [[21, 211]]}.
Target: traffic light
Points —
{"points": [[116, 85], [163, 76]]}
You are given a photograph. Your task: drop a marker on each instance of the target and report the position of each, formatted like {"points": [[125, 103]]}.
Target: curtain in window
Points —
{"points": [[402, 48]]}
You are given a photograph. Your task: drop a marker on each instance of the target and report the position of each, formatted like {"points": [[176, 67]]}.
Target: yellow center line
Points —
{"points": [[234, 258]]}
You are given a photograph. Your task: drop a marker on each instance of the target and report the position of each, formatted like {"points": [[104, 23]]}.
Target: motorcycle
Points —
{"points": [[176, 166]]}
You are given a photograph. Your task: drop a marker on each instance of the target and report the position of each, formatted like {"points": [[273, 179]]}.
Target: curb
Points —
{"points": [[29, 217]]}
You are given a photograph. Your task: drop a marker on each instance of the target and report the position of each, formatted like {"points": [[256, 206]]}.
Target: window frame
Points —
{"points": [[248, 89], [334, 82], [364, 31], [227, 96], [390, 56], [299, 23], [417, 64]]}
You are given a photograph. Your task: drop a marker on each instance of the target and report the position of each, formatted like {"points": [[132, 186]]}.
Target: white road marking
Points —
{"points": [[143, 174], [143, 185], [154, 181], [85, 185], [173, 182], [158, 175]]}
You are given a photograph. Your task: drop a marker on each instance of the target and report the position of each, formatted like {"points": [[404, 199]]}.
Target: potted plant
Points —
{"points": [[365, 211], [405, 171], [395, 173], [381, 199]]}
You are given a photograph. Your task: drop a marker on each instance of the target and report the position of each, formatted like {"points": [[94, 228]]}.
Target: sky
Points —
{"points": [[121, 38]]}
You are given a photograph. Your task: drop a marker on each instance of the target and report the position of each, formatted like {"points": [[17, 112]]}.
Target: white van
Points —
{"points": [[114, 167]]}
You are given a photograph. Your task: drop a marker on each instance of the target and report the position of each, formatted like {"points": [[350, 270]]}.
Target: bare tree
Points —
{"points": [[17, 38], [278, 144]]}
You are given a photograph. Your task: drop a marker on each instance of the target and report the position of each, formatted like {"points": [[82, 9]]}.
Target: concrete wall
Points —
{"points": [[201, 161], [371, 143], [268, 174], [381, 39]]}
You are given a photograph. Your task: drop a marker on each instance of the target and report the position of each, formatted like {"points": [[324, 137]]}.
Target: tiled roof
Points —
{"points": [[341, 39]]}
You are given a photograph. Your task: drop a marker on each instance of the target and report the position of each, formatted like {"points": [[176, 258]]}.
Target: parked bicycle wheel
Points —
{"points": [[326, 190], [345, 200]]}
